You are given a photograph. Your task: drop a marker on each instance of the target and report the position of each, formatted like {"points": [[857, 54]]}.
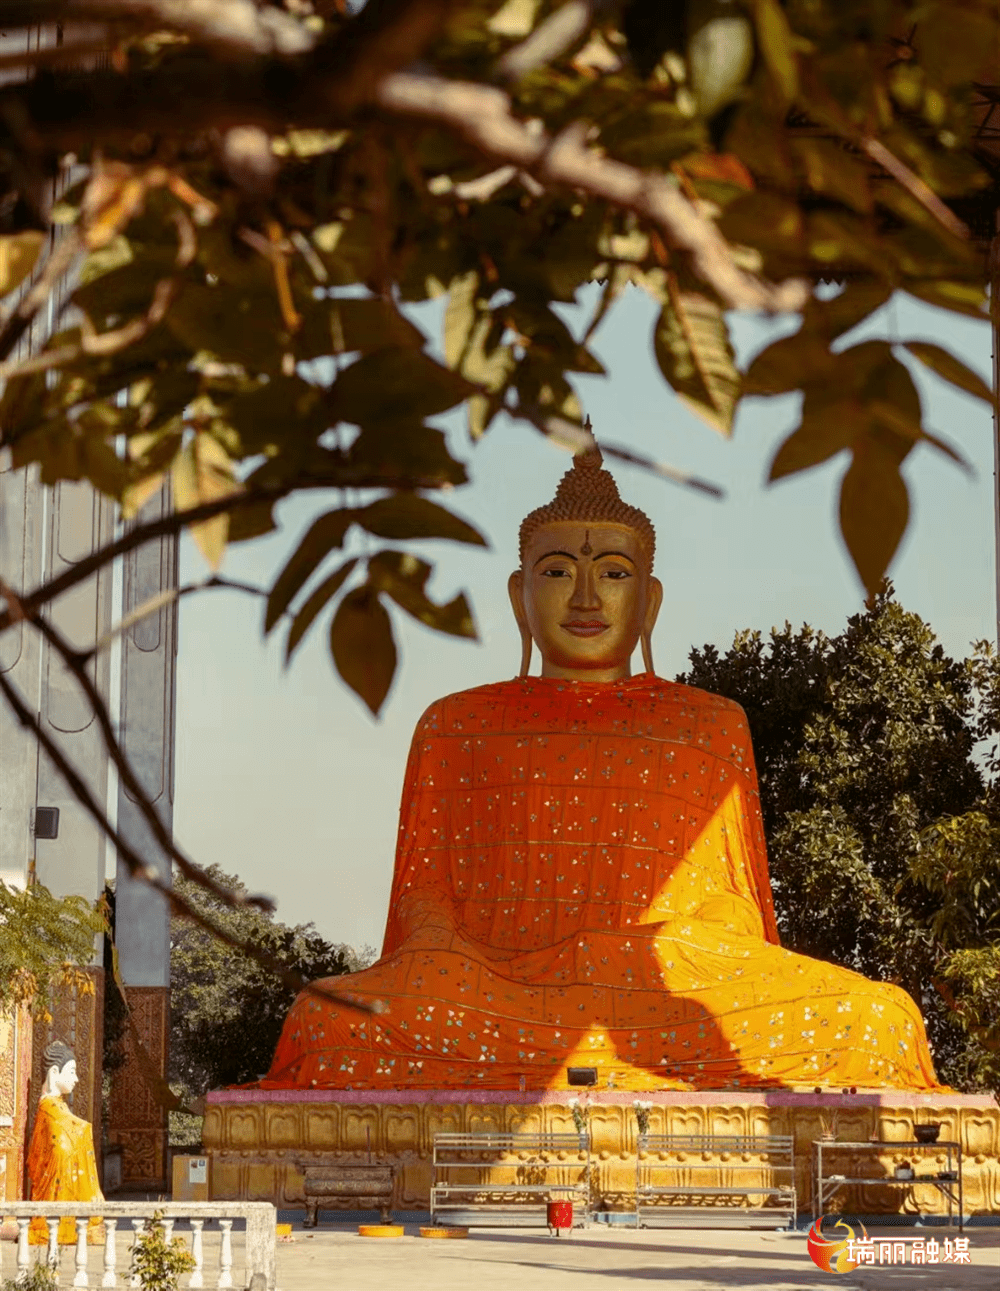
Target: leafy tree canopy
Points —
{"points": [[46, 942], [227, 1009], [883, 830], [262, 188]]}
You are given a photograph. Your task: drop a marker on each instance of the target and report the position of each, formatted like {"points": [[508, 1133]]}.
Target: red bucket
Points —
{"points": [[559, 1216]]}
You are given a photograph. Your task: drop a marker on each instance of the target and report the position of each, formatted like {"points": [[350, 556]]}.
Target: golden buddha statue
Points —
{"points": [[61, 1161], [581, 875]]}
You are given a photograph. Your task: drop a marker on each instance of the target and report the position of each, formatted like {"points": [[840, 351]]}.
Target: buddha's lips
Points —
{"points": [[586, 627]]}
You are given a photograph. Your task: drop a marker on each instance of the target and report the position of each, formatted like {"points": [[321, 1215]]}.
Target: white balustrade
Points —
{"points": [[198, 1273], [110, 1253], [260, 1238], [80, 1277]]}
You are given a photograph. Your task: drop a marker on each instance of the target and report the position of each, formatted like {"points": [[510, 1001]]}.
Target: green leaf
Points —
{"points": [[362, 646], [874, 510], [407, 515], [322, 536], [962, 297], [19, 253], [777, 44], [830, 169], [549, 336], [692, 347], [395, 382], [459, 316], [789, 364], [951, 368], [406, 450], [403, 577], [307, 615], [859, 299], [480, 410], [949, 450], [764, 220], [203, 472], [827, 428], [235, 325], [283, 407], [251, 521], [840, 238], [368, 323]]}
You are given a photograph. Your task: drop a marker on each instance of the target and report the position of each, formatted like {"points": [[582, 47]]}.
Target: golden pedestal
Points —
{"points": [[254, 1138]]}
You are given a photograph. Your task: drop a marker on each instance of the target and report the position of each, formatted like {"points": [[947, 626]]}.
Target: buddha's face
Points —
{"points": [[586, 595], [65, 1081]]}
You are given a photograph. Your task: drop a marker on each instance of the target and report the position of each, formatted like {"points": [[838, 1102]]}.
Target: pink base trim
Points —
{"points": [[608, 1097]]}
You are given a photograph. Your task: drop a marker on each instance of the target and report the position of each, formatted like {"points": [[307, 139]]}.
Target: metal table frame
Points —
{"points": [[776, 1153], [826, 1185], [460, 1200]]}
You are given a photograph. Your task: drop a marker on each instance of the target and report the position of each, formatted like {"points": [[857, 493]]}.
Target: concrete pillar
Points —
{"points": [[142, 916], [79, 521]]}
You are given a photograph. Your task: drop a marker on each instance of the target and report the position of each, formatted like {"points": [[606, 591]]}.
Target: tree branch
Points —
{"points": [[559, 32], [482, 116], [238, 25], [142, 869], [20, 318], [567, 434], [76, 662], [177, 520], [105, 343], [157, 602], [916, 187]]}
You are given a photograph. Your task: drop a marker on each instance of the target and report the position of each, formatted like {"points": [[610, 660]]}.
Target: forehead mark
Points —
{"points": [[586, 549]]}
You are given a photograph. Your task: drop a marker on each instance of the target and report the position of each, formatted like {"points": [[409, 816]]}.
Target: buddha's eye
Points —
{"points": [[617, 573], [555, 572]]}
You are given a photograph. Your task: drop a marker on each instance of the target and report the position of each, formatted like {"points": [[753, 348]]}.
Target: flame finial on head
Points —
{"points": [[588, 493]]}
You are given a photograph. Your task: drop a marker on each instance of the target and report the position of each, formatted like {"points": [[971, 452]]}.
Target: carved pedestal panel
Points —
{"points": [[136, 1120], [78, 1019], [15, 1074], [260, 1141]]}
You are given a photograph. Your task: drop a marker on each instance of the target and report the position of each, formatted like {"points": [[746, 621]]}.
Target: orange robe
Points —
{"points": [[61, 1165], [581, 879]]}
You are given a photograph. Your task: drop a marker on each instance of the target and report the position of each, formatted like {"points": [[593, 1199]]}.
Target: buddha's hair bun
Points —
{"points": [[58, 1054], [588, 493]]}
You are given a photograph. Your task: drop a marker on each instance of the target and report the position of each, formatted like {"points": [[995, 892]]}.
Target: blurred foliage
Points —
{"points": [[46, 944], [227, 1010], [158, 1260], [237, 322], [883, 831]]}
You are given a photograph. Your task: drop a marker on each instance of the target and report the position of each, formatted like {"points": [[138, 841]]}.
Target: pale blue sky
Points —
{"points": [[284, 778]]}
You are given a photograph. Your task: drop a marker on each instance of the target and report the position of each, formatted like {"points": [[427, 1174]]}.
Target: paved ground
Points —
{"points": [[598, 1258], [607, 1259]]}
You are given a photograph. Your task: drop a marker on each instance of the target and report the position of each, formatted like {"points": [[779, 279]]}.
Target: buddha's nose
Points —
{"points": [[585, 589]]}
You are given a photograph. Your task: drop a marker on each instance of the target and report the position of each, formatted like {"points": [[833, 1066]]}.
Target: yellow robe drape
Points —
{"points": [[581, 879], [61, 1165]]}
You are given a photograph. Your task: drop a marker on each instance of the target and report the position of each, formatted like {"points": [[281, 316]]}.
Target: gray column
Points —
{"points": [[21, 515], [148, 679], [80, 521]]}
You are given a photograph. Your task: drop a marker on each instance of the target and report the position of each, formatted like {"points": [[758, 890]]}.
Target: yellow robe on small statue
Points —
{"points": [[61, 1166]]}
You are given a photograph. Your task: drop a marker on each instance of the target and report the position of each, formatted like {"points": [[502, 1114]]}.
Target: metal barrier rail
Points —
{"points": [[777, 1156], [462, 1199], [260, 1217]]}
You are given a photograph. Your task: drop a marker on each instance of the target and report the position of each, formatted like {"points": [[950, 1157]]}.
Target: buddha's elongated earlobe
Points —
{"points": [[525, 651], [647, 652], [654, 601], [515, 590]]}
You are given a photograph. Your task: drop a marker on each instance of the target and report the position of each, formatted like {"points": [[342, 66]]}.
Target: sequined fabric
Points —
{"points": [[581, 879], [61, 1166]]}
